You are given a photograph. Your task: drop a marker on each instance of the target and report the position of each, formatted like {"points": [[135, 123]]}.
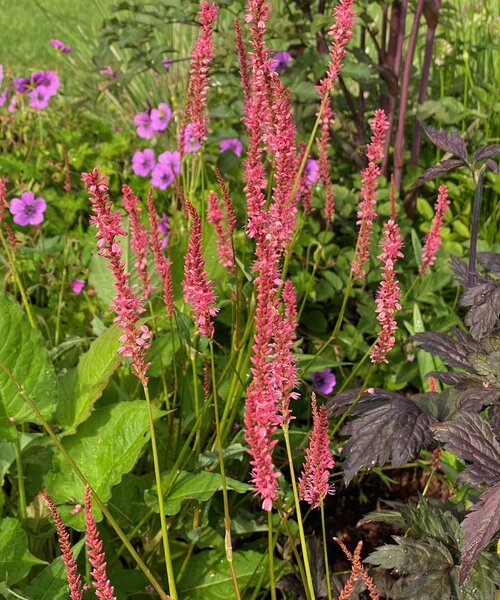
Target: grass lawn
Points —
{"points": [[28, 25]]}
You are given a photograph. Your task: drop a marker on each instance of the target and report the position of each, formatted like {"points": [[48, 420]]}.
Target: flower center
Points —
{"points": [[29, 210]]}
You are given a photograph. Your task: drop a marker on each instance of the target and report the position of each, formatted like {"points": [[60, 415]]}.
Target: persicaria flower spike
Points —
{"points": [[388, 295], [433, 239], [135, 339], [224, 244], [74, 581], [314, 482], [367, 208], [201, 57], [139, 239], [198, 290], [162, 263], [103, 588]]}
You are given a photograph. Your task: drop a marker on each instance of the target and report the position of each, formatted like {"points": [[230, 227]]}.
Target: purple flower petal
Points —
{"points": [[143, 162], [166, 63], [162, 176], [77, 285], [58, 45], [191, 143], [280, 61], [39, 97], [311, 170], [324, 381], [27, 210], [47, 79], [144, 125], [160, 117], [233, 144], [171, 160]]}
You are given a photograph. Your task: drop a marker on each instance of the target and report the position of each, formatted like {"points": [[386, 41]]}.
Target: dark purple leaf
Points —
{"points": [[461, 271], [472, 439], [476, 396], [479, 527], [375, 396], [484, 300], [491, 261], [486, 152], [453, 351], [445, 166], [492, 166], [396, 430], [449, 141]]}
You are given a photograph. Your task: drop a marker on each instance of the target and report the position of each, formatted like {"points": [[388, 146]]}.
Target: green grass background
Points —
{"points": [[26, 26]]}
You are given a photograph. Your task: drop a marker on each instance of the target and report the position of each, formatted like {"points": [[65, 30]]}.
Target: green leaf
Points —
{"points": [[425, 360], [105, 447], [208, 577], [8, 452], [52, 583], [192, 486], [101, 279], [417, 246], [15, 558], [425, 209], [84, 384], [24, 356]]}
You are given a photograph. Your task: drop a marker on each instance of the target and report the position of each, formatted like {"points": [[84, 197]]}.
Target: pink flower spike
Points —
{"points": [[74, 581], [224, 243], [162, 264], [388, 294], [314, 482], [433, 238], [201, 57], [139, 239], [103, 588], [198, 290], [367, 208], [135, 340]]}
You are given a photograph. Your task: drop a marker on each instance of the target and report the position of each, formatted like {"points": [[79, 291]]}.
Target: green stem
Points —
{"points": [[299, 514], [227, 519], [270, 552], [85, 482], [20, 481], [159, 494], [325, 552], [17, 279]]}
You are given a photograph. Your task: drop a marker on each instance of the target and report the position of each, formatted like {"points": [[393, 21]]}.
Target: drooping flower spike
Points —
{"points": [[135, 339]]}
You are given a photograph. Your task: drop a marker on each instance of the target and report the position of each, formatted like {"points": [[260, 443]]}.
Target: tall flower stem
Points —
{"points": [[83, 479], [270, 552], [24, 298], [20, 482], [298, 513], [476, 212], [159, 494], [227, 519], [325, 552]]}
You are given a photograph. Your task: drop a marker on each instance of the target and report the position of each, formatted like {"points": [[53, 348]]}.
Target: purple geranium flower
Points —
{"points": [[164, 230], [143, 162], [280, 61], [324, 381], [47, 79], [3, 96], [166, 63], [58, 45], [12, 104], [172, 160], [108, 71], [160, 117], [22, 84], [144, 125], [191, 143], [311, 170], [77, 285], [39, 97], [28, 210], [233, 144]]}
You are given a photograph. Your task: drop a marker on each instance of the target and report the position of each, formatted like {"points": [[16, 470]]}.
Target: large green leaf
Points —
{"points": [[52, 583], [23, 354], [84, 384], [15, 558], [105, 447], [8, 451], [208, 576], [192, 486]]}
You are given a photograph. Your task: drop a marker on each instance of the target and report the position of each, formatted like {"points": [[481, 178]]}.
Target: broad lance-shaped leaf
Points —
{"points": [[191, 486], [454, 351], [24, 358], [15, 558], [82, 386], [472, 439], [396, 430], [484, 312], [442, 167], [479, 527], [208, 576], [450, 141], [486, 152], [105, 447]]}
